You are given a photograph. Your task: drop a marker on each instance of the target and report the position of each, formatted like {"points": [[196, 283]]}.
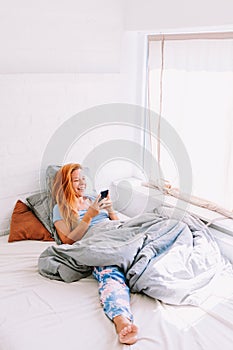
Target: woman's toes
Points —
{"points": [[128, 335]]}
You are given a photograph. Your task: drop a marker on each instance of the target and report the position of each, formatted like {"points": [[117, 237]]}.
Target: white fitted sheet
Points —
{"points": [[38, 313]]}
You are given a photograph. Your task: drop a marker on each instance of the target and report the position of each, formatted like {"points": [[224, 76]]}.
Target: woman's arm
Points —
{"points": [[69, 237], [112, 215]]}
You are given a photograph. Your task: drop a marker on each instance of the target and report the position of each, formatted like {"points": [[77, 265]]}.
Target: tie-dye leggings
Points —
{"points": [[114, 292]]}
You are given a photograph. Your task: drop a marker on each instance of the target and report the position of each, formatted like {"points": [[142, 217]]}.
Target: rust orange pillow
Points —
{"points": [[25, 225]]}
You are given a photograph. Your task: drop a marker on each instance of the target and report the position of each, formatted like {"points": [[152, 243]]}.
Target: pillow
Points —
{"points": [[39, 204], [24, 225], [50, 175]]}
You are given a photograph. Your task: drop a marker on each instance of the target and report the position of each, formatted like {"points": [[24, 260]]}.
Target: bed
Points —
{"points": [[40, 313]]}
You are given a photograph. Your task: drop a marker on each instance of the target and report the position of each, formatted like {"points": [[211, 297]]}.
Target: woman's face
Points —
{"points": [[78, 182]]}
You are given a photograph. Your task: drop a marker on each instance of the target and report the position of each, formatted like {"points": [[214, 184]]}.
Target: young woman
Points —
{"points": [[73, 214]]}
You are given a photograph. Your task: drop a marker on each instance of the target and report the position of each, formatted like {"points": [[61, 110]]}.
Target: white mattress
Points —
{"points": [[38, 313]]}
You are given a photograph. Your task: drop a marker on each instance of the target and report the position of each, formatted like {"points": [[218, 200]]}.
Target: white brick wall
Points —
{"points": [[57, 58], [32, 107]]}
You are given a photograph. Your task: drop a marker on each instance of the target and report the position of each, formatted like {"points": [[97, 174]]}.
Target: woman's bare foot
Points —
{"points": [[127, 331]]}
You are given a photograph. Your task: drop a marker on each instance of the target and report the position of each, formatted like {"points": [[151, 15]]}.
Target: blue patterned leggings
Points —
{"points": [[114, 292]]}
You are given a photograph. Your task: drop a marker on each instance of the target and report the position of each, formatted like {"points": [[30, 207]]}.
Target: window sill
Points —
{"points": [[136, 185], [220, 222]]}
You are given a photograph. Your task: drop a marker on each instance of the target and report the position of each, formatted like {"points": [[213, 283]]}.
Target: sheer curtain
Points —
{"points": [[195, 95]]}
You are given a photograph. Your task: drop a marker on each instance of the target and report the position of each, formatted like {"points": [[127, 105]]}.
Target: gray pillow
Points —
{"points": [[38, 203], [50, 175], [41, 203]]}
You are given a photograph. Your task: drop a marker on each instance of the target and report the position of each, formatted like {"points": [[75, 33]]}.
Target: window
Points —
{"points": [[190, 81]]}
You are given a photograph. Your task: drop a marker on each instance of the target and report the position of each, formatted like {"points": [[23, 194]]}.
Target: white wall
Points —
{"points": [[60, 36], [160, 15], [32, 107], [59, 57]]}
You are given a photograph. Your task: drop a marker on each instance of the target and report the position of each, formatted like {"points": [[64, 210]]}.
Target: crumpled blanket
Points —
{"points": [[173, 259]]}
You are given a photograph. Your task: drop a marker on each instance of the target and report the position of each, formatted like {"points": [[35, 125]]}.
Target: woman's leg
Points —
{"points": [[115, 299]]}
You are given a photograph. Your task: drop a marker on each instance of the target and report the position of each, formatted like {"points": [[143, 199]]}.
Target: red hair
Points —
{"points": [[64, 194]]}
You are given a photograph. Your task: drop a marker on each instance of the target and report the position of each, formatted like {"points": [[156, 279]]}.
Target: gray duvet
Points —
{"points": [[174, 260]]}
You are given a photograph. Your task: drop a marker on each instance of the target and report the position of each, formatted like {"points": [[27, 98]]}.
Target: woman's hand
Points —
{"points": [[92, 211], [98, 205], [95, 207], [106, 204]]}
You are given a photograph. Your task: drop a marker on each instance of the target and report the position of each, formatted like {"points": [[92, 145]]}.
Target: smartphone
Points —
{"points": [[103, 194]]}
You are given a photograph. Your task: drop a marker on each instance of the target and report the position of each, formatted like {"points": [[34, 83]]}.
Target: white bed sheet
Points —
{"points": [[38, 313]]}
